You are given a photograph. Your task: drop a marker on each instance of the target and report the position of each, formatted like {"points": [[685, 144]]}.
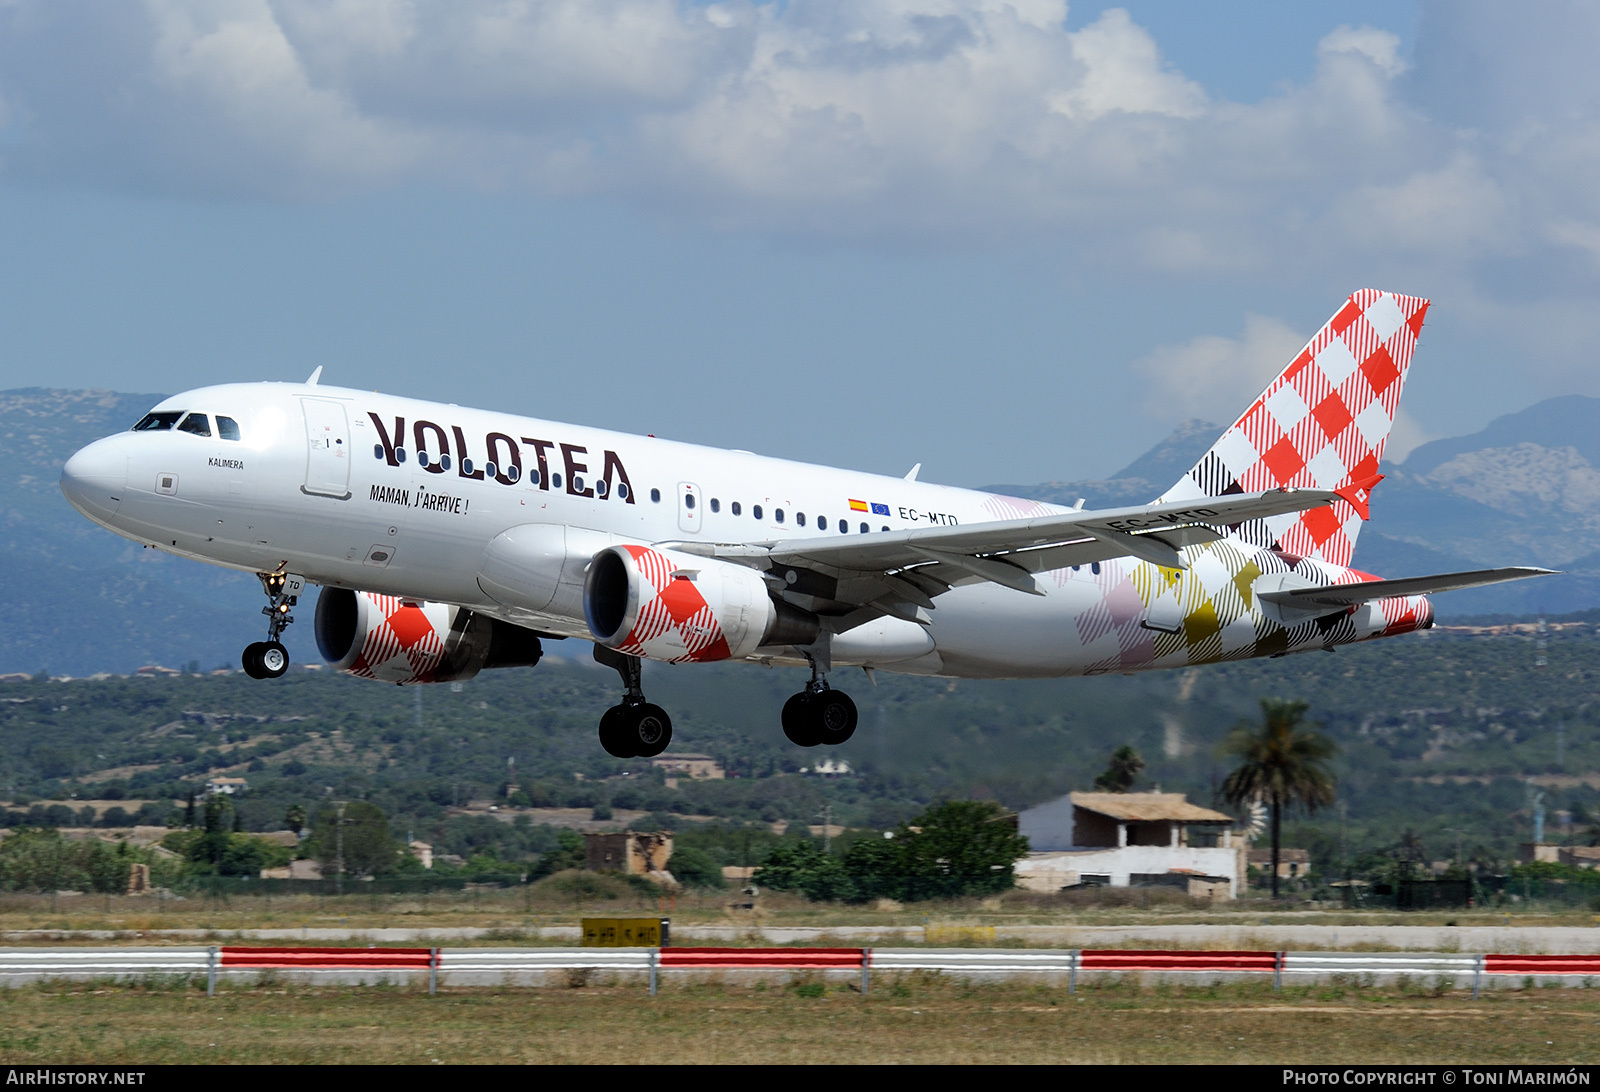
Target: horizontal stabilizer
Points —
{"points": [[1342, 595]]}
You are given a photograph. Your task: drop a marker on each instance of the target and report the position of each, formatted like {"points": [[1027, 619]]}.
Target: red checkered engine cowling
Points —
{"points": [[664, 605], [396, 640]]}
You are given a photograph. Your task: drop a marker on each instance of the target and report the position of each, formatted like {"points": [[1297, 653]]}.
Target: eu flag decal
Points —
{"points": [[879, 509]]}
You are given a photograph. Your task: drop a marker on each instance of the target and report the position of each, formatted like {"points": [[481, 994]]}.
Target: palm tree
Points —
{"points": [[1123, 770], [1282, 765]]}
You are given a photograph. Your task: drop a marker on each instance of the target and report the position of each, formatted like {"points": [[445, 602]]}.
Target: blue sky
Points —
{"points": [[1012, 241]]}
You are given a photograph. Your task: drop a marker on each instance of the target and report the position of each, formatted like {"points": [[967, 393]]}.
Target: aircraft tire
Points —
{"points": [[835, 716], [274, 660], [251, 660], [613, 734], [800, 724], [649, 729]]}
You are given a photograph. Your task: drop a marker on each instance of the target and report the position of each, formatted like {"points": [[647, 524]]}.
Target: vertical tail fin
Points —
{"points": [[1320, 424]]}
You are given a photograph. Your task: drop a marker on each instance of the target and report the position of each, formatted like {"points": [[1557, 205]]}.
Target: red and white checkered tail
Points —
{"points": [[1321, 424]]}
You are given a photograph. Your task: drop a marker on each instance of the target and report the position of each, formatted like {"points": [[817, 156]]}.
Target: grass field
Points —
{"points": [[563, 900], [919, 1018]]}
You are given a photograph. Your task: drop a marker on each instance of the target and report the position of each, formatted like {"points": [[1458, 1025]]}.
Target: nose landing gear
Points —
{"points": [[819, 714], [635, 728], [269, 659]]}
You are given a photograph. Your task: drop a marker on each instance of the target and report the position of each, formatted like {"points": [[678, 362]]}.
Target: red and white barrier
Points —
{"points": [[532, 966]]}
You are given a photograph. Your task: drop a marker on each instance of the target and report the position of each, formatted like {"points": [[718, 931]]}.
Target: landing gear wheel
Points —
{"points": [[613, 732], [634, 729], [251, 660], [834, 715], [649, 729], [269, 659], [274, 660], [799, 720]]}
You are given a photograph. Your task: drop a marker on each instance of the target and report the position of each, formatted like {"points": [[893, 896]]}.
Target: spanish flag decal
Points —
{"points": [[858, 506]]}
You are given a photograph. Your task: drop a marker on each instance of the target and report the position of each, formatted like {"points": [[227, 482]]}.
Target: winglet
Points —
{"points": [[911, 475], [1359, 494], [316, 375]]}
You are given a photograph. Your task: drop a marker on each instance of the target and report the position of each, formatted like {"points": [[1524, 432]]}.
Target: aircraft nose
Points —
{"points": [[94, 478]]}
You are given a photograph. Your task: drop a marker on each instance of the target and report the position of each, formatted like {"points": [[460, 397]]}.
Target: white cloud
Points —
{"points": [[1216, 377], [862, 121], [1454, 210]]}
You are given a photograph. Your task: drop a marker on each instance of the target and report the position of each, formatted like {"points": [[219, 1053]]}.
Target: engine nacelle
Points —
{"points": [[666, 605], [403, 641]]}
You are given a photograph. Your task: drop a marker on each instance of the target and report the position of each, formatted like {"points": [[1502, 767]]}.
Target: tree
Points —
{"points": [[355, 835], [803, 866], [42, 860], [568, 854], [694, 868], [1124, 769], [212, 844], [295, 818], [962, 847], [1282, 764]]}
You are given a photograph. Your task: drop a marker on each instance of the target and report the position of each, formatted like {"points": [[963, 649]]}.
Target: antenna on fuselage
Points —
{"points": [[316, 375]]}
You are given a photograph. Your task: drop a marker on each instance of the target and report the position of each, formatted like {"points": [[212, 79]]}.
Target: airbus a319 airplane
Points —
{"points": [[448, 540]]}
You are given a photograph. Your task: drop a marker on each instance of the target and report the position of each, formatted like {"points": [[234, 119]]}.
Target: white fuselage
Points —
{"points": [[315, 485]]}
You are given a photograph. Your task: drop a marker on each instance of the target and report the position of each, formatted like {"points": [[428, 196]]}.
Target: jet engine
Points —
{"points": [[666, 605], [404, 641]]}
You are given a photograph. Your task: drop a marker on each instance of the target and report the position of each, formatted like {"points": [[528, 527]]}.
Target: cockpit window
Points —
{"points": [[158, 422], [197, 424], [227, 428]]}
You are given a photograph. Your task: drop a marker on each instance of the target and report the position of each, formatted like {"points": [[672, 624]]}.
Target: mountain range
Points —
{"points": [[1524, 490], [77, 599]]}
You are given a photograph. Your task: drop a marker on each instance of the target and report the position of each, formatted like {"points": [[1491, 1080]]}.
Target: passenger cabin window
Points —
{"points": [[865, 528], [755, 510], [655, 496], [197, 424], [777, 514], [228, 429], [822, 523], [800, 519], [158, 422], [716, 505], [737, 508]]}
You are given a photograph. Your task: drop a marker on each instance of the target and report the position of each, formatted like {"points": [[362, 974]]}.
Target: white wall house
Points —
{"points": [[1129, 839]]}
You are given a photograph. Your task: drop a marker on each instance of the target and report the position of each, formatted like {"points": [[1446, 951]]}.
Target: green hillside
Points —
{"points": [[1437, 734]]}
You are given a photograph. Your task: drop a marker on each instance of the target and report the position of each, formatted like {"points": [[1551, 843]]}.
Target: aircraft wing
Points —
{"points": [[1341, 595], [897, 572]]}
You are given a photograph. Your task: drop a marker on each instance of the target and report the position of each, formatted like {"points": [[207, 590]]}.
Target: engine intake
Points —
{"points": [[665, 605], [403, 641]]}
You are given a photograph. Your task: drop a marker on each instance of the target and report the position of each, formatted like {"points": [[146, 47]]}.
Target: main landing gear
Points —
{"points": [[634, 729], [818, 714], [269, 659]]}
